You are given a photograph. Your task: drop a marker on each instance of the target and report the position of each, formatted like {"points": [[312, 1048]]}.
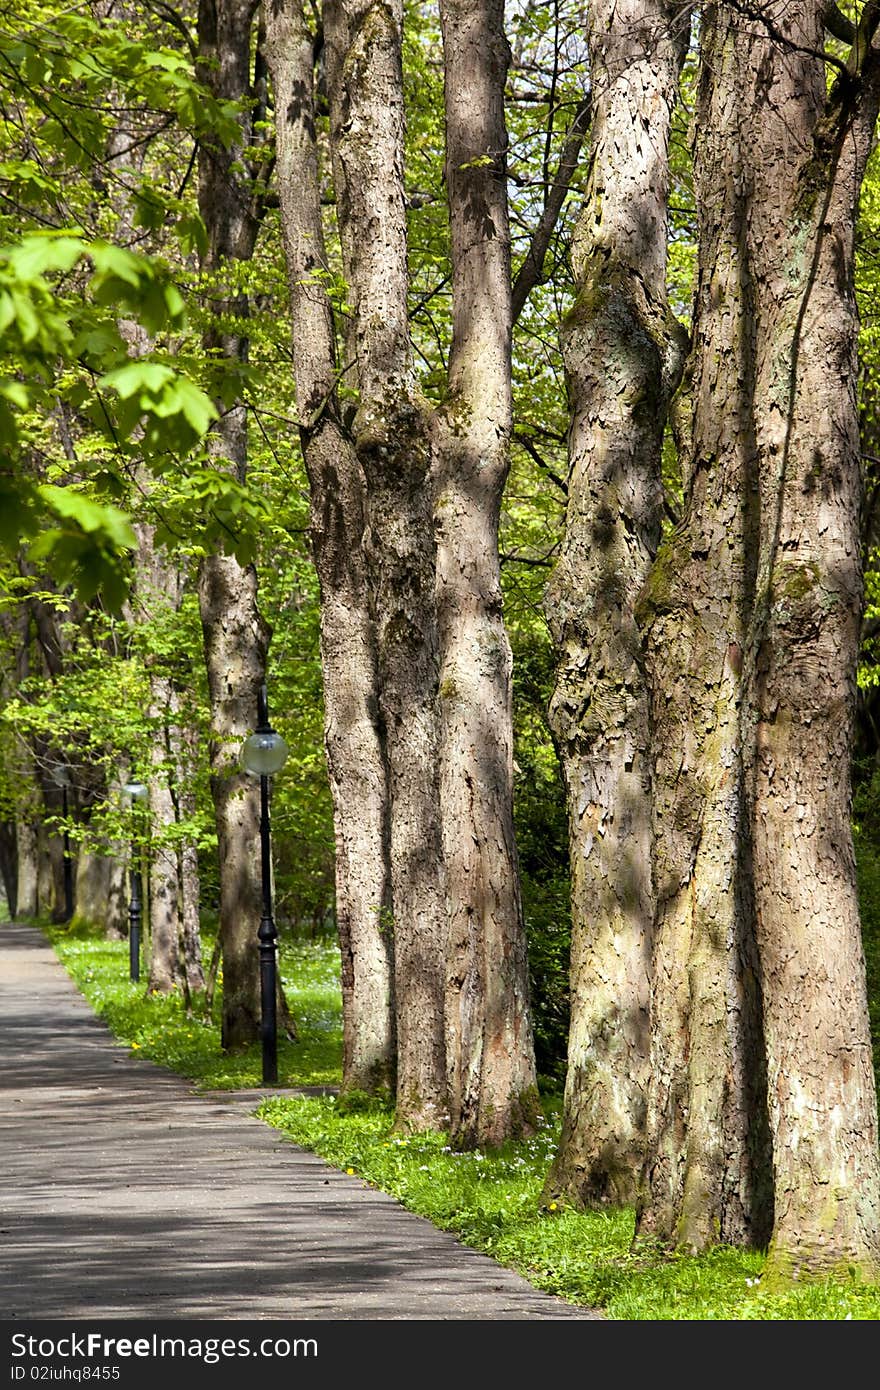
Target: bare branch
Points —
{"points": [[532, 269]]}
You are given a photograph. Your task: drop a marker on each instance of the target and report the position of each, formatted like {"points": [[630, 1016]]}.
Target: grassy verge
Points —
{"points": [[489, 1200]]}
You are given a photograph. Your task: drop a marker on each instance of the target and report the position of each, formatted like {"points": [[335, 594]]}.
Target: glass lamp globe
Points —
{"points": [[263, 753], [136, 790]]}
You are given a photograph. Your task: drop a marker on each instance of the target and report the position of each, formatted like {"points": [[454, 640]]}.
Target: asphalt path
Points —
{"points": [[125, 1193]]}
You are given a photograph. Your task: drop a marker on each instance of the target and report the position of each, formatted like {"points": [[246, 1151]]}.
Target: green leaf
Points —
{"points": [[116, 263], [107, 523], [37, 255], [139, 376]]}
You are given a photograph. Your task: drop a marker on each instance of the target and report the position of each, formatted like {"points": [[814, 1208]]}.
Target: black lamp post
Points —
{"points": [[136, 791], [61, 778], [264, 753]]}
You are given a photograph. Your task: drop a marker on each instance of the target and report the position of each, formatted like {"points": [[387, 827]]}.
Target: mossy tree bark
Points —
{"points": [[491, 1049], [353, 739], [623, 353], [761, 1040], [803, 646]]}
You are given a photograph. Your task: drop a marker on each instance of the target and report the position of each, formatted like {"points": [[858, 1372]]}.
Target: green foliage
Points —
{"points": [[66, 336], [72, 85]]}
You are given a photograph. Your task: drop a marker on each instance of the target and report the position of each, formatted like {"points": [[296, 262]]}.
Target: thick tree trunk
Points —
{"points": [[50, 875], [802, 656], [623, 353], [761, 586], [489, 1035], [391, 438], [235, 635], [116, 919], [355, 755], [707, 1174], [159, 589]]}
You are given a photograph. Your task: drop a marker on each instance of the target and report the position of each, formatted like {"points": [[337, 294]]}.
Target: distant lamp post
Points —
{"points": [[135, 791], [263, 754], [61, 778]]}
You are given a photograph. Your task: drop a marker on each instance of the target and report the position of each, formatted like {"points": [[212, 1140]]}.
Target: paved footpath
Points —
{"points": [[125, 1193]]}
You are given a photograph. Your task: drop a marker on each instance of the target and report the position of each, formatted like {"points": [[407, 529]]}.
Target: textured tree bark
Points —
{"points": [[392, 442], [116, 918], [235, 644], [623, 353], [235, 634], [159, 589], [489, 1037], [758, 934], [21, 844], [355, 755], [175, 954], [707, 1172], [803, 650], [49, 874]]}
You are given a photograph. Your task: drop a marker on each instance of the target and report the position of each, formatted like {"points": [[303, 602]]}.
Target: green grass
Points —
{"points": [[490, 1200], [158, 1026]]}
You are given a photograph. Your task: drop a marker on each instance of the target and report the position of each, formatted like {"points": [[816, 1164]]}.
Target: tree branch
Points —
{"points": [[532, 269]]}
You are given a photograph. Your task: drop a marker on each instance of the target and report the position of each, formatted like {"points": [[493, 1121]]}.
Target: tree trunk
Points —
{"points": [[761, 586], [92, 888], [185, 755], [803, 652], [391, 439], [355, 756], [491, 1059], [50, 875], [623, 354], [27, 866], [707, 1175], [235, 635], [235, 656], [116, 919], [164, 906]]}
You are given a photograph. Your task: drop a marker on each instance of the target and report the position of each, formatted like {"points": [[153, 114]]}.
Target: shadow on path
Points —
{"points": [[129, 1194]]}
